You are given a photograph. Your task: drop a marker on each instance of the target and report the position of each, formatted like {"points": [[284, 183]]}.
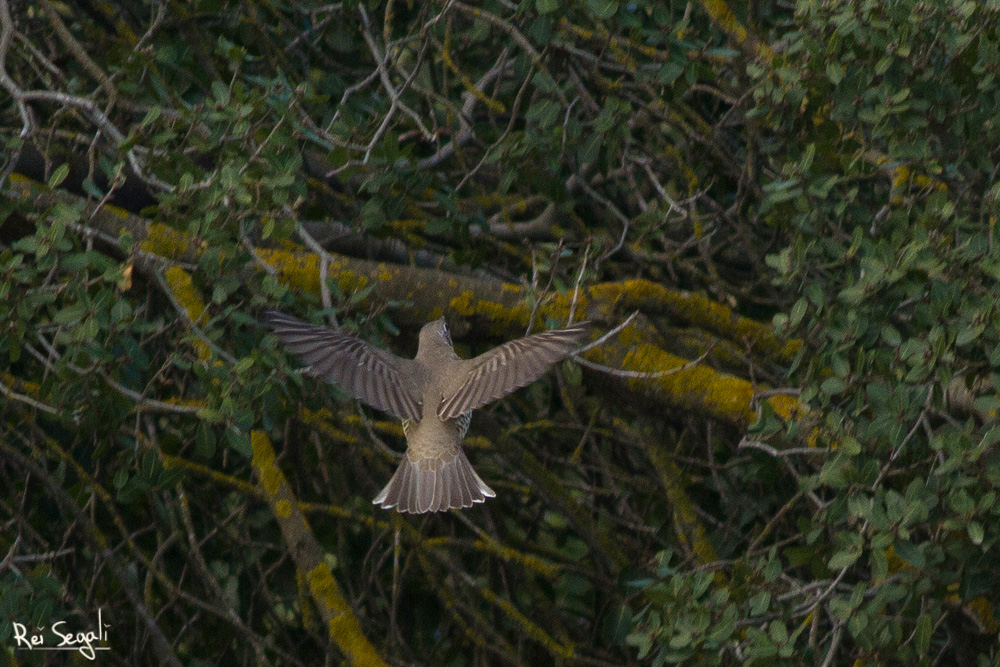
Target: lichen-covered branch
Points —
{"points": [[341, 622]]}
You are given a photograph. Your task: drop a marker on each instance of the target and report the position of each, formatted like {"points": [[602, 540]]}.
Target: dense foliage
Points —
{"points": [[788, 456]]}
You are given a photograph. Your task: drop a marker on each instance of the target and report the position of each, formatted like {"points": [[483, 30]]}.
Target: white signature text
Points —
{"points": [[68, 641]]}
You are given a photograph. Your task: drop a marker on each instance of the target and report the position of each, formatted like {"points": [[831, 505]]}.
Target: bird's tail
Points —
{"points": [[433, 485]]}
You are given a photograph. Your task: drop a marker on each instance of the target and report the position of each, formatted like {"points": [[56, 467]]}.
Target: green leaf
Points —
{"points": [[808, 157], [151, 115], [28, 244], [151, 466], [891, 335], [798, 312], [618, 625], [976, 533], [798, 555], [669, 72], [641, 641], [722, 630], [923, 634], [59, 175], [843, 559], [74, 261], [759, 603], [606, 120], [602, 9], [909, 552], [761, 645], [879, 564], [132, 491], [850, 446], [832, 386], [204, 443], [778, 632], [961, 502], [239, 441], [853, 295], [835, 471], [840, 366], [362, 294], [835, 72], [968, 334], [546, 6], [438, 225], [70, 314], [680, 640], [220, 92], [373, 215], [121, 310]]}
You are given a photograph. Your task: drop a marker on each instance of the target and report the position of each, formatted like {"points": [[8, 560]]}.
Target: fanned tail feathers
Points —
{"points": [[433, 485]]}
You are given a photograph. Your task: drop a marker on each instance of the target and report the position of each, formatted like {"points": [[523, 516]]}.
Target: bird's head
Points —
{"points": [[435, 334]]}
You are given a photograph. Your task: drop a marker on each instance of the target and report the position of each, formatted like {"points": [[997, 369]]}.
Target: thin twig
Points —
{"points": [[142, 403], [324, 267], [182, 311], [14, 396], [643, 375], [27, 120], [605, 337], [747, 443], [576, 287]]}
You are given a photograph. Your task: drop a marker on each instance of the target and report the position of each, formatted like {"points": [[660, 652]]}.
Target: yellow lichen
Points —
{"points": [[120, 212], [493, 104], [460, 304], [694, 309], [270, 479], [349, 281], [901, 174], [325, 590], [298, 270], [529, 627], [263, 453], [283, 509], [184, 292], [32, 389], [786, 407], [165, 241], [187, 296], [982, 609], [514, 556]]}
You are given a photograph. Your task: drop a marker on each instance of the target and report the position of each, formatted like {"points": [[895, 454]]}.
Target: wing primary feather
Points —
{"points": [[367, 373], [405, 487], [508, 367], [440, 502]]}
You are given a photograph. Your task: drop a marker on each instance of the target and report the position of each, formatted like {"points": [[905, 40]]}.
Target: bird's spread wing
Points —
{"points": [[371, 375], [505, 368]]}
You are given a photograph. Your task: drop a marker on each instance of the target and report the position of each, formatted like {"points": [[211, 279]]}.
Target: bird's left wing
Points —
{"points": [[505, 368], [369, 374]]}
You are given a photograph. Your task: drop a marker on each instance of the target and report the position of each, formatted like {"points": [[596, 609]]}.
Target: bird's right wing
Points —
{"points": [[505, 368], [367, 373]]}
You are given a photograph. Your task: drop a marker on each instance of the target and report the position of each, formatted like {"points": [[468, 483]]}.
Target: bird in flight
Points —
{"points": [[434, 394]]}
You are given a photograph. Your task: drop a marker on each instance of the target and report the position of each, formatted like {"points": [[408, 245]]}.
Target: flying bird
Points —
{"points": [[434, 395]]}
